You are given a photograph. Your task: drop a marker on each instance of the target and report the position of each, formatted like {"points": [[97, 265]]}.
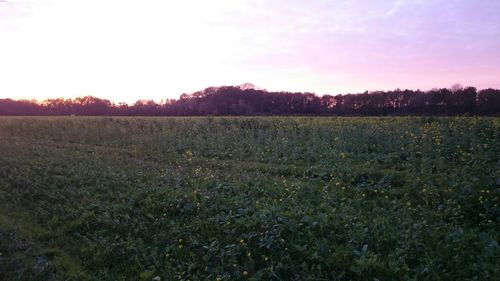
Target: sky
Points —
{"points": [[155, 49]]}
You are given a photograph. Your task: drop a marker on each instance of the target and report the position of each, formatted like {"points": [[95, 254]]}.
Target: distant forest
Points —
{"points": [[248, 100]]}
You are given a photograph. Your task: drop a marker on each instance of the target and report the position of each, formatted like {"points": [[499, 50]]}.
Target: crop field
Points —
{"points": [[249, 198]]}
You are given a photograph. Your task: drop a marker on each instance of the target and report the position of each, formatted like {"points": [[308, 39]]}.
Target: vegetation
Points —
{"points": [[247, 100], [249, 198]]}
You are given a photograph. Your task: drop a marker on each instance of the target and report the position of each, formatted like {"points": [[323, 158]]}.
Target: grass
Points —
{"points": [[251, 198]]}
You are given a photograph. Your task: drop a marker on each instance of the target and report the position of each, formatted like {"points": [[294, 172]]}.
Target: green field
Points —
{"points": [[253, 198]]}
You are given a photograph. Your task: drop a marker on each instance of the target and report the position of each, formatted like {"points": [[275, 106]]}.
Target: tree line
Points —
{"points": [[248, 100]]}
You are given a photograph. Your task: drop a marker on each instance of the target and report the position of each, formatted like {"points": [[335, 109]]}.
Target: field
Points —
{"points": [[257, 198]]}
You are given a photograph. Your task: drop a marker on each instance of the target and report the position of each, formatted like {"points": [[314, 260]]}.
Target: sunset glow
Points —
{"points": [[129, 50]]}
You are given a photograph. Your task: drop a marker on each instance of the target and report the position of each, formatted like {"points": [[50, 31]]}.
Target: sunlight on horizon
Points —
{"points": [[130, 50]]}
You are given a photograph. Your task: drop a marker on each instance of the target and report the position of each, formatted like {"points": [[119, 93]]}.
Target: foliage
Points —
{"points": [[215, 198], [246, 100]]}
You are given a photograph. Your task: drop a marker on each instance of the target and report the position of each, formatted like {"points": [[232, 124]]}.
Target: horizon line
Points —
{"points": [[163, 100]]}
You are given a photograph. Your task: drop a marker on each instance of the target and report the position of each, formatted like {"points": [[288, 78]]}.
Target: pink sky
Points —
{"points": [[128, 50]]}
